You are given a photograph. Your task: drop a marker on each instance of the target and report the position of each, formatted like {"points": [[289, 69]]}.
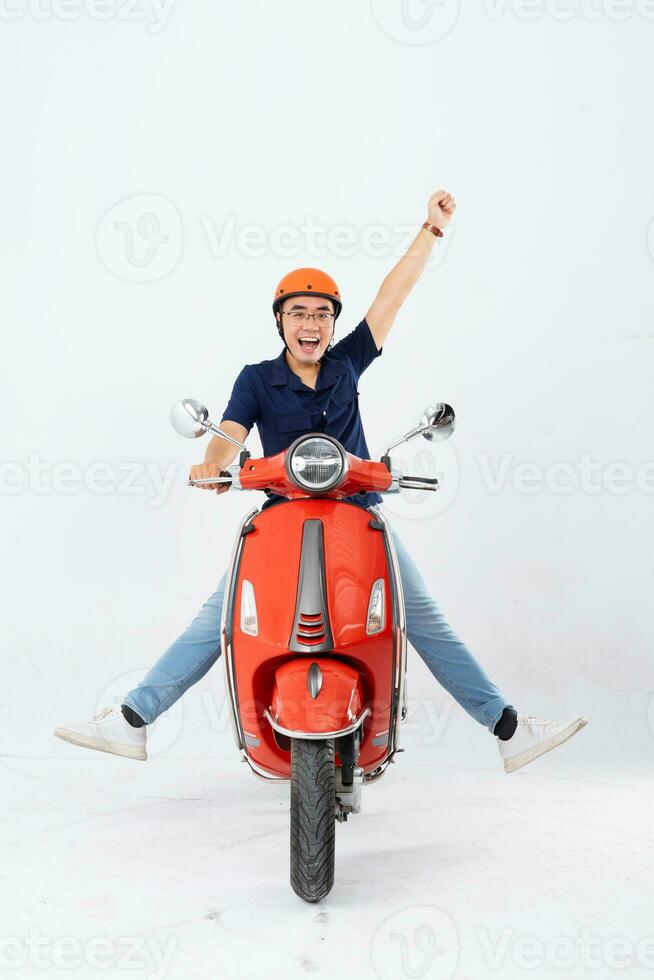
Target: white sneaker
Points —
{"points": [[535, 736], [107, 732]]}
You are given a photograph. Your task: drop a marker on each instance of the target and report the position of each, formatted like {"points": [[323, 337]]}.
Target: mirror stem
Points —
{"points": [[210, 427], [409, 435]]}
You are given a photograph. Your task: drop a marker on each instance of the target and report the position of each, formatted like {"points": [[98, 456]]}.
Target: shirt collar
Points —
{"points": [[331, 369]]}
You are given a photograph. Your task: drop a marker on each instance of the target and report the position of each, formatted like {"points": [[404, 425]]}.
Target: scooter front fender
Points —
{"points": [[316, 698]]}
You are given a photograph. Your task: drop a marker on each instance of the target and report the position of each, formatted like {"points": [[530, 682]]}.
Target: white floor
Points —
{"points": [[179, 868]]}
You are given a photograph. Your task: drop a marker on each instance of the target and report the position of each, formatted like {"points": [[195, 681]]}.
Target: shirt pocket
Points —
{"points": [[345, 395], [298, 421]]}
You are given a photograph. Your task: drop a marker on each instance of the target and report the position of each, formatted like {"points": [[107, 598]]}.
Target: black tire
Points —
{"points": [[313, 814]]}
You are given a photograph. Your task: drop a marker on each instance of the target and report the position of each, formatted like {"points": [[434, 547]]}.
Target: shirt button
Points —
{"points": [[324, 413]]}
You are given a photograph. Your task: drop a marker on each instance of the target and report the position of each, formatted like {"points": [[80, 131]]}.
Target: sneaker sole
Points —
{"points": [[525, 757], [113, 748]]}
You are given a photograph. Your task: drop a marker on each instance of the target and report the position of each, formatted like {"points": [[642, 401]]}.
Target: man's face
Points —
{"points": [[307, 338]]}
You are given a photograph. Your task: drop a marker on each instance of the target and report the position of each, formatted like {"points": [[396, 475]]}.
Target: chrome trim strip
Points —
{"points": [[235, 470], [377, 773], [263, 773], [314, 680], [317, 735], [399, 633], [225, 643]]}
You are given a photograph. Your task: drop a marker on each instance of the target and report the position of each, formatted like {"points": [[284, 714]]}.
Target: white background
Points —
{"points": [[534, 321]]}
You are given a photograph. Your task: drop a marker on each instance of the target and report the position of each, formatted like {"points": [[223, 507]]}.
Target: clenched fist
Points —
{"points": [[440, 209], [203, 470]]}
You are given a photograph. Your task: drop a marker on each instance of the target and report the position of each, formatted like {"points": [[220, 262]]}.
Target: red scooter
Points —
{"points": [[313, 629]]}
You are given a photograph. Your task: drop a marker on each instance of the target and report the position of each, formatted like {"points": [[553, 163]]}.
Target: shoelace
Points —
{"points": [[105, 711], [531, 721]]}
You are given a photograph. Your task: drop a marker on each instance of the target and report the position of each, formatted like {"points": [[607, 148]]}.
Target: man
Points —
{"points": [[312, 386]]}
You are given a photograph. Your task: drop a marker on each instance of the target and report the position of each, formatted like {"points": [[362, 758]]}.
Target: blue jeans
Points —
{"points": [[449, 660]]}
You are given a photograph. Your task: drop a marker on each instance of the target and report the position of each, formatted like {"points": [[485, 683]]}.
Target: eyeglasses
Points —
{"points": [[299, 316]]}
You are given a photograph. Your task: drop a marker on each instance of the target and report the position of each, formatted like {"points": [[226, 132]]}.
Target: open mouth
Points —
{"points": [[309, 343]]}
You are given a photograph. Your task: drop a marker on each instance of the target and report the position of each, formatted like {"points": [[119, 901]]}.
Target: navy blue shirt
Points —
{"points": [[283, 407]]}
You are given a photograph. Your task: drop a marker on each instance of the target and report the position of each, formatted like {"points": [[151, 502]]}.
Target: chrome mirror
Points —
{"points": [[437, 422], [190, 418]]}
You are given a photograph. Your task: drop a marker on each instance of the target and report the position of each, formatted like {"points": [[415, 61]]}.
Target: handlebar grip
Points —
{"points": [[419, 482], [225, 477]]}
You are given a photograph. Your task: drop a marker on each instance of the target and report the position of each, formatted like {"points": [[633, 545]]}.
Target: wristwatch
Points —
{"points": [[433, 229]]}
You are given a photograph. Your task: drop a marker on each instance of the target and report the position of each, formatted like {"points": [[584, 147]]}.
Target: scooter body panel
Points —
{"points": [[281, 555], [316, 697]]}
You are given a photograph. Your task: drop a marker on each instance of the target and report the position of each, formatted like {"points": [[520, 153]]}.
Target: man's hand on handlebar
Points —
{"points": [[202, 471]]}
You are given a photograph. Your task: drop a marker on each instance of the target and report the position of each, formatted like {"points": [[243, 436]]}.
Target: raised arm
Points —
{"points": [[402, 278]]}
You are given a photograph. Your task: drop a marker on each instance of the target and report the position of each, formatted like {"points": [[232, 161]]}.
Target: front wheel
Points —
{"points": [[313, 802]]}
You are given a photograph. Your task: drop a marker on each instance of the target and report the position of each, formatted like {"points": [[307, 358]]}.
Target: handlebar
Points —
{"points": [[399, 481], [418, 483], [226, 477]]}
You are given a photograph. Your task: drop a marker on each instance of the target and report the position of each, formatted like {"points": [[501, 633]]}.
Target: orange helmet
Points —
{"points": [[300, 282]]}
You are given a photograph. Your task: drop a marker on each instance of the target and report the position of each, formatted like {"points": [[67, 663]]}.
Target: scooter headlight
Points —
{"points": [[316, 464]]}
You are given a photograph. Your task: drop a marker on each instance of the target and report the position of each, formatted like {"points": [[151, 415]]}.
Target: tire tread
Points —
{"points": [[313, 833]]}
